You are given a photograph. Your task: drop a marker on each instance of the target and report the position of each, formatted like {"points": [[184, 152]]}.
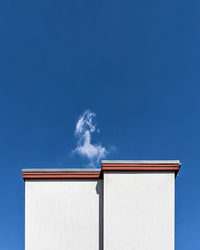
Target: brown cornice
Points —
{"points": [[59, 174], [91, 173], [141, 166]]}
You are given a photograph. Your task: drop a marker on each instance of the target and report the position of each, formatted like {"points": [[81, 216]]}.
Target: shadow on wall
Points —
{"points": [[99, 190]]}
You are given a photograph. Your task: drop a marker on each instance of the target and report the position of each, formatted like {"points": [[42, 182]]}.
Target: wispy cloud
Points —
{"points": [[85, 127]]}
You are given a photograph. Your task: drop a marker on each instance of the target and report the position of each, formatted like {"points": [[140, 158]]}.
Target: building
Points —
{"points": [[125, 205]]}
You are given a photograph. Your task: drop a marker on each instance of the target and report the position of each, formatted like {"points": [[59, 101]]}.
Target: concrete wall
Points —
{"points": [[138, 210], [63, 214], [132, 210]]}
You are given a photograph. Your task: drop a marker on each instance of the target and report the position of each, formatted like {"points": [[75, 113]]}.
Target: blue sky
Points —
{"points": [[135, 64]]}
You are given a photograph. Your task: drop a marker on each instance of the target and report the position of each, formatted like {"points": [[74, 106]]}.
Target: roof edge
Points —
{"points": [[60, 170], [141, 165], [61, 173], [106, 165], [138, 162]]}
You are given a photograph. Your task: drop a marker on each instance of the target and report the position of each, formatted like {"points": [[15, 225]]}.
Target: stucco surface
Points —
{"points": [[138, 211], [63, 214]]}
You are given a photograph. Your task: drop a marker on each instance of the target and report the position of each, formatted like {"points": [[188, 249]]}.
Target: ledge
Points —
{"points": [[106, 165], [129, 165], [65, 173]]}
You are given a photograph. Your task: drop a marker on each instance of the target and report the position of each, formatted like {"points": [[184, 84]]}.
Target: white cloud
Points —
{"points": [[83, 132]]}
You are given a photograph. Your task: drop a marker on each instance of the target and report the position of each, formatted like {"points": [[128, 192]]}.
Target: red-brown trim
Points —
{"points": [[140, 167], [60, 175], [98, 174]]}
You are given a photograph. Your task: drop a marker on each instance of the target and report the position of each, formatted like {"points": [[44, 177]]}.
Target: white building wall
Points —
{"points": [[63, 214], [138, 210]]}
